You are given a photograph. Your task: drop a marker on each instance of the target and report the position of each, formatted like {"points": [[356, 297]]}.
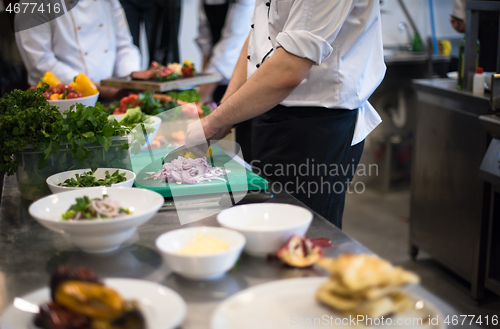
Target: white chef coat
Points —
{"points": [[344, 40], [92, 38], [226, 52]]}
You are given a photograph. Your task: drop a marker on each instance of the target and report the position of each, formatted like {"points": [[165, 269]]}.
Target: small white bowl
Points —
{"points": [[200, 267], [156, 122], [65, 104], [100, 173], [266, 226], [97, 236]]}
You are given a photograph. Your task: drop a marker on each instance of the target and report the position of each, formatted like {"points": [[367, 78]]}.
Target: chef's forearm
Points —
{"points": [[271, 84], [239, 74]]}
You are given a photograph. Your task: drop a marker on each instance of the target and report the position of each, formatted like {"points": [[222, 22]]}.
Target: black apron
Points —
{"points": [[307, 152]]}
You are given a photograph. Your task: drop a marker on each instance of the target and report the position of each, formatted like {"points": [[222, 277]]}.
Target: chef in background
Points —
{"points": [[223, 28], [92, 38], [305, 74]]}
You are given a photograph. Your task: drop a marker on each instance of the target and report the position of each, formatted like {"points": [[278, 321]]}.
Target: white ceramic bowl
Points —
{"points": [[100, 173], [96, 236], [200, 267], [266, 226], [156, 122], [65, 104]]}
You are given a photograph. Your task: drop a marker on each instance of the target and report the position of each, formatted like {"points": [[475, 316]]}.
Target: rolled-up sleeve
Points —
{"points": [[312, 26], [127, 54]]}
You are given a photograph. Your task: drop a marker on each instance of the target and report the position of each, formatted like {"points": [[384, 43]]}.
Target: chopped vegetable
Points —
{"points": [[87, 179], [86, 208], [188, 171], [186, 95]]}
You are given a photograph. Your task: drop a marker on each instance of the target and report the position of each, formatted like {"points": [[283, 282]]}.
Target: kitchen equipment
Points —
{"points": [[490, 172], [239, 178], [266, 226], [200, 267]]}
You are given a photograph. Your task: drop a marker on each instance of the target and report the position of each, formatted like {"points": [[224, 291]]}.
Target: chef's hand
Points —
{"points": [[199, 132]]}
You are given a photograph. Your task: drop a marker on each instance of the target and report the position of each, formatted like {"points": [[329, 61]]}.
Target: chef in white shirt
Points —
{"points": [[223, 28], [305, 74], [92, 38]]}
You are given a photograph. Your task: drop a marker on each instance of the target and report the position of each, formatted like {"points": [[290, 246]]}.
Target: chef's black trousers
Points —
{"points": [[307, 152]]}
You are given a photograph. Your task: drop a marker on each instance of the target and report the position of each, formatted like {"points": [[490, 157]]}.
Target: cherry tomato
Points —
{"points": [[70, 88], [31, 88], [59, 89], [51, 90], [47, 95]]}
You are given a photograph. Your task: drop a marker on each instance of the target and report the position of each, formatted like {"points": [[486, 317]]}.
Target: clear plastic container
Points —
{"points": [[31, 179]]}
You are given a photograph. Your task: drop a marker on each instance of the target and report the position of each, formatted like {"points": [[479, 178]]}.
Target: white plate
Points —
{"points": [[162, 307], [290, 303]]}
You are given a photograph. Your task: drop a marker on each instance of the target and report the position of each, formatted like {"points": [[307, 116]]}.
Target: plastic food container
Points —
{"points": [[32, 181]]}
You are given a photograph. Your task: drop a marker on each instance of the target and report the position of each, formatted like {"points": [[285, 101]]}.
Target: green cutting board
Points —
{"points": [[239, 179]]}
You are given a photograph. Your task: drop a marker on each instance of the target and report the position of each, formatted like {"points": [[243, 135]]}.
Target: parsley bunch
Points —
{"points": [[85, 125], [26, 118]]}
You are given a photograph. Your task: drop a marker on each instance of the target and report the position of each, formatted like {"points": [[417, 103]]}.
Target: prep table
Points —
{"points": [[29, 253]]}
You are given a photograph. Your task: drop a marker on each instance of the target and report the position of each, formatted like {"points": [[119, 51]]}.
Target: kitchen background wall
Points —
{"points": [[391, 17]]}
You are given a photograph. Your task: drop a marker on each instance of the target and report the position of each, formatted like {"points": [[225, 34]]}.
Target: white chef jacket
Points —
{"points": [[92, 38], [344, 40], [226, 52]]}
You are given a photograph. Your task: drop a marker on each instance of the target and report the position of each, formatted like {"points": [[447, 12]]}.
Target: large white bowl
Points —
{"points": [[65, 104], [151, 136], [266, 226], [97, 236], [200, 267], [100, 173]]}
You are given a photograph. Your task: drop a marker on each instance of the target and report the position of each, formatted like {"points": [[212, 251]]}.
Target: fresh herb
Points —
{"points": [[26, 118], [206, 109], [150, 105], [186, 95], [133, 117], [85, 125], [87, 179]]}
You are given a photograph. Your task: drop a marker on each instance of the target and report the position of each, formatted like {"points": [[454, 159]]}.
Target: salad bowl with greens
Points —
{"points": [[85, 178], [97, 219], [143, 127]]}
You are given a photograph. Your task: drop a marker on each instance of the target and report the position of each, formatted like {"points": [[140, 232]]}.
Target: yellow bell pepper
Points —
{"points": [[84, 85], [55, 97], [50, 79]]}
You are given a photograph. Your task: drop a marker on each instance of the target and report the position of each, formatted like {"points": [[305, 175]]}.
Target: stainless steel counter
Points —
{"points": [[29, 253]]}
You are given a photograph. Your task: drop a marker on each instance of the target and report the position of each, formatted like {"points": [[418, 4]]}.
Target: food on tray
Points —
{"points": [[188, 171], [88, 179], [86, 208], [300, 252], [365, 285], [203, 244], [81, 86], [81, 301], [170, 72]]}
